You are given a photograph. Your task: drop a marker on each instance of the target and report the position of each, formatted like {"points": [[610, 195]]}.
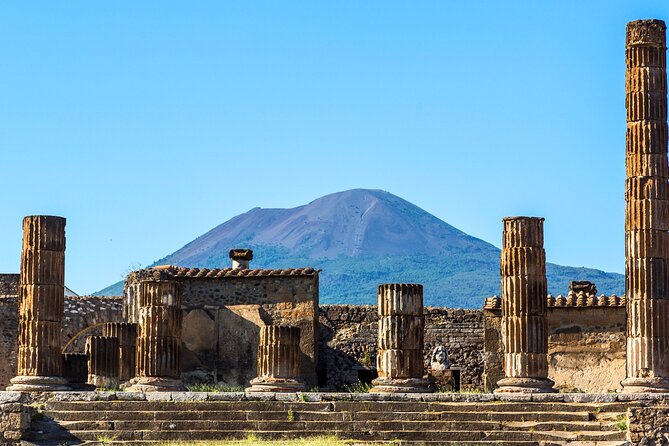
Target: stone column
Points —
{"points": [[524, 324], [158, 357], [41, 300], [126, 333], [75, 369], [103, 361], [279, 359], [399, 361], [647, 209]]}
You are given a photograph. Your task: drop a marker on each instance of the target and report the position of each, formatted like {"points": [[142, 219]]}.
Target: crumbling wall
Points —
{"points": [[348, 339], [9, 285]]}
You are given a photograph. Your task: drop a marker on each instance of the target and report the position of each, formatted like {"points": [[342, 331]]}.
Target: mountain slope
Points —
{"points": [[361, 238]]}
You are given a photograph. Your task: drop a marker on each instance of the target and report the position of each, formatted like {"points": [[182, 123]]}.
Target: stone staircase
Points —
{"points": [[369, 418]]}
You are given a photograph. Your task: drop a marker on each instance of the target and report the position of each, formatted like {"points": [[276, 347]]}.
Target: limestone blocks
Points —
{"points": [[41, 300], [647, 209], [103, 361], [524, 324], [279, 359], [400, 342], [158, 354]]}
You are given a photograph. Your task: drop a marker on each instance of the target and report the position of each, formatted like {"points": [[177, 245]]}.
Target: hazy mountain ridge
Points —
{"points": [[361, 238]]}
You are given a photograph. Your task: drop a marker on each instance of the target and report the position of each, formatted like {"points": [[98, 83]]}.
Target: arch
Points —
{"points": [[76, 336]]}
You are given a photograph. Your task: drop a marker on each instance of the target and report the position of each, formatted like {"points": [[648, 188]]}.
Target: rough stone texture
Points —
{"points": [[158, 360], [41, 301], [224, 310], [586, 347], [126, 333], [278, 365], [649, 425], [103, 361], [75, 368], [647, 208], [14, 421], [524, 324], [348, 340], [9, 285]]}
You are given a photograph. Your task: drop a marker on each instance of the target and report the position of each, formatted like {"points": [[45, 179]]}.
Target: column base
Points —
{"points": [[402, 385], [525, 385], [268, 384], [103, 382], [27, 383], [154, 384], [645, 385]]}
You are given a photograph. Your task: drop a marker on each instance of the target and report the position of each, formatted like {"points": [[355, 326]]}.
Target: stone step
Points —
{"points": [[326, 416], [440, 436], [320, 426], [357, 406]]}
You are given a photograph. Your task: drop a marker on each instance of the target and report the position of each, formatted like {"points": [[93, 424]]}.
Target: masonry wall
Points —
{"points": [[586, 348], [348, 340], [9, 285]]}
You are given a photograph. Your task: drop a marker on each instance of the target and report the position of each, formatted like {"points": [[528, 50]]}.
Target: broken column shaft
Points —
{"points": [[647, 209], [158, 354], [524, 324], [41, 300], [103, 361], [400, 339], [126, 333], [279, 359]]}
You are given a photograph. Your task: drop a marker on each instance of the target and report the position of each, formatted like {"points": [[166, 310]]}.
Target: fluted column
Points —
{"points": [[400, 340], [41, 300], [126, 333], [75, 369], [647, 209], [103, 361], [279, 359], [158, 354], [524, 324]]}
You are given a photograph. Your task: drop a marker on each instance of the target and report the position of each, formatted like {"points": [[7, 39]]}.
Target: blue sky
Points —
{"points": [[148, 123]]}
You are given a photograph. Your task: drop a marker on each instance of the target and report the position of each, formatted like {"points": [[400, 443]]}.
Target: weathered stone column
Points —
{"points": [[399, 361], [279, 359], [103, 361], [647, 210], [41, 299], [126, 333], [524, 324], [158, 357]]}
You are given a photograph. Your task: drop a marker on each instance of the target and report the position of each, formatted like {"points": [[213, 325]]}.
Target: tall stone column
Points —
{"points": [[41, 300], [279, 359], [158, 357], [524, 324], [401, 323], [103, 361], [647, 209], [126, 333]]}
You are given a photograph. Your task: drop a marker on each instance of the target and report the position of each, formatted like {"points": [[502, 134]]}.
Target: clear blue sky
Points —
{"points": [[148, 123]]}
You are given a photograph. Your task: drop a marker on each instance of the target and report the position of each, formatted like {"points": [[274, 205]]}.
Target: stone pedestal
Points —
{"points": [[126, 333], [647, 210], [158, 354], [41, 300], [400, 344], [279, 359], [103, 362], [524, 324]]}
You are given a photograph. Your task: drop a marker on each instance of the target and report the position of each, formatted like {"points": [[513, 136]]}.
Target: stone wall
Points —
{"points": [[348, 339], [9, 285], [586, 345], [80, 313], [648, 425], [15, 418], [224, 310]]}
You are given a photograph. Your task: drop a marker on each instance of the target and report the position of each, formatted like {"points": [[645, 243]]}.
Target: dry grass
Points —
{"points": [[252, 440]]}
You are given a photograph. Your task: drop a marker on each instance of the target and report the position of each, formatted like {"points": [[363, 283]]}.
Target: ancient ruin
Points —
{"points": [[524, 325], [103, 362], [647, 210], [158, 361], [126, 333], [278, 360], [41, 295], [401, 326]]}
